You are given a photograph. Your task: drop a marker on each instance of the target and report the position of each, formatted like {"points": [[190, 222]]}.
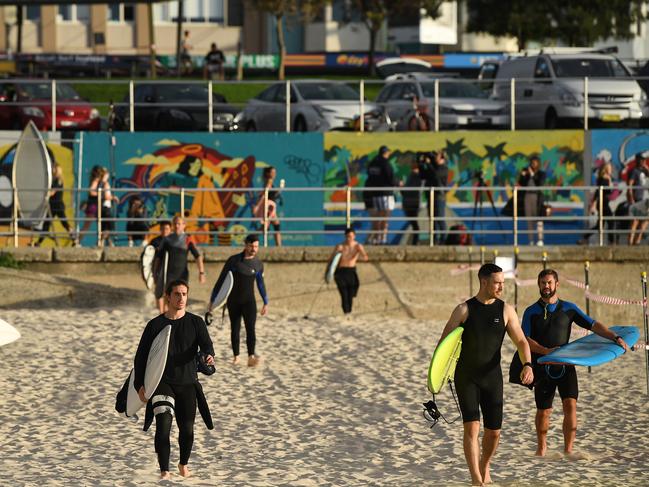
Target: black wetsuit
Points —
{"points": [[178, 389], [478, 378], [57, 209], [348, 284], [177, 246], [549, 325], [241, 302]]}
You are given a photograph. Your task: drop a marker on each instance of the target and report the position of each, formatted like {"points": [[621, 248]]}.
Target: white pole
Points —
{"points": [[210, 107], [436, 105], [131, 108], [79, 176], [362, 114], [53, 129], [585, 102], [288, 106], [512, 103]]}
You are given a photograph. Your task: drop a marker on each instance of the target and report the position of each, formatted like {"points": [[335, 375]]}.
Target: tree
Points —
{"points": [[280, 9], [374, 14], [574, 22]]}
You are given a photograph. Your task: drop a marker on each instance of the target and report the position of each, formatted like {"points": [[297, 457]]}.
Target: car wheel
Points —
{"points": [[299, 125], [251, 127], [551, 120]]}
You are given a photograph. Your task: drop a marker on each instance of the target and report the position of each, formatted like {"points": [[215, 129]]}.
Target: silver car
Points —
{"points": [[462, 104], [316, 105]]}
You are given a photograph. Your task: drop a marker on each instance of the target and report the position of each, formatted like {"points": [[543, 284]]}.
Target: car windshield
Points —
{"points": [[173, 93], [327, 91], [41, 91], [453, 89], [595, 68]]}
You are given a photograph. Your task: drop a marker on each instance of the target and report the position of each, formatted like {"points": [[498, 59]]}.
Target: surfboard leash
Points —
{"points": [[432, 414]]}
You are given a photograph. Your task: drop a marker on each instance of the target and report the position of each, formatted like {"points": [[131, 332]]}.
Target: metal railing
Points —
{"points": [[579, 102], [481, 217]]}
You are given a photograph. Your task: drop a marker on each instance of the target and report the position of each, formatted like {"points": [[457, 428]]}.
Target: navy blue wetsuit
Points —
{"points": [[478, 378], [241, 302], [549, 325]]}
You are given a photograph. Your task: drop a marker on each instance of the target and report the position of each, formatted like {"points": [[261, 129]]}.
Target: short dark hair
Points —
{"points": [[535, 158], [175, 283], [487, 269], [349, 230], [165, 223], [548, 272], [251, 238]]}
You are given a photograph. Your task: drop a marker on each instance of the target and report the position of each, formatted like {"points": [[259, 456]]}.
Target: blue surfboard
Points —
{"points": [[593, 349]]}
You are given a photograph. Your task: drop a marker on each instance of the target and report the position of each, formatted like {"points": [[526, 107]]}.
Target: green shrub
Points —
{"points": [[8, 260]]}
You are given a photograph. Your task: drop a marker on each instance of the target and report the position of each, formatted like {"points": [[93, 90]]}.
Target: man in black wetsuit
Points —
{"points": [[179, 391], [165, 231], [247, 270], [478, 378], [547, 324], [174, 250]]}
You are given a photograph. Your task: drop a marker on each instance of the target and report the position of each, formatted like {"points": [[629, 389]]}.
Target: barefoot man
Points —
{"points": [[345, 275], [478, 378], [547, 324], [179, 390]]}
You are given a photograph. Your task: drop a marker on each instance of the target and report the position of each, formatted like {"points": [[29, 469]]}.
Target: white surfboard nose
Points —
{"points": [[8, 333]]}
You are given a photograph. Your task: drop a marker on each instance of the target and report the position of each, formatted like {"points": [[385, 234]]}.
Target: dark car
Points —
{"points": [[25, 100], [175, 107]]}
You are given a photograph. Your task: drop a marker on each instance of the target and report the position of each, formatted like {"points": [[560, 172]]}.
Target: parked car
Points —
{"points": [[462, 104], [316, 105], [549, 90], [174, 107], [25, 100]]}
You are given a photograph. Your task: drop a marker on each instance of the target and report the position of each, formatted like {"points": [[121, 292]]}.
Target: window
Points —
{"points": [[33, 13], [74, 13], [595, 68], [542, 69], [118, 12], [199, 11]]}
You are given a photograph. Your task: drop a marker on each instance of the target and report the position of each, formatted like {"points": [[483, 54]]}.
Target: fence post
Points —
{"points": [[544, 260], [585, 102], [182, 203], [266, 216], [516, 250], [470, 271], [131, 107], [512, 104], [587, 290], [431, 217], [482, 249], [288, 106], [100, 202], [348, 207], [362, 114], [14, 215], [600, 217], [210, 107], [436, 105], [645, 318], [515, 216], [53, 105]]}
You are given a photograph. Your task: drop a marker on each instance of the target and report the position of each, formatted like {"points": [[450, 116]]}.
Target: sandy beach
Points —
{"points": [[335, 402]]}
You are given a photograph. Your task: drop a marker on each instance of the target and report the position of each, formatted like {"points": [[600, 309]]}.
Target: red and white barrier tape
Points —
{"points": [[462, 268]]}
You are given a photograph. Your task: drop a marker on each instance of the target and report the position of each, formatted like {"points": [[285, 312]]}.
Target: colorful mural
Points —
{"points": [[497, 156], [618, 147], [60, 154], [221, 177]]}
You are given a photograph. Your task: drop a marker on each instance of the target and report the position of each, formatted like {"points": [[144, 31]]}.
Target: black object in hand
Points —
{"points": [[202, 366], [208, 318]]}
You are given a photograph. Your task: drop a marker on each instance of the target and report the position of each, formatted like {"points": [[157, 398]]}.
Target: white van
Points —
{"points": [[550, 90]]}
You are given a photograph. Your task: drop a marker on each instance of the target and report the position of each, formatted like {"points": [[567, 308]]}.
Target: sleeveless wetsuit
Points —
{"points": [[478, 378], [241, 302], [549, 325]]}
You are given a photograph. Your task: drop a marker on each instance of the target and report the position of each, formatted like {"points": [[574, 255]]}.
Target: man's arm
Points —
{"points": [[261, 286], [458, 316], [517, 336], [199, 261], [363, 254], [603, 331]]}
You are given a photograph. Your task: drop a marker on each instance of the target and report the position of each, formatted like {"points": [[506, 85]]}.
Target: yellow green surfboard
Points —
{"points": [[445, 357]]}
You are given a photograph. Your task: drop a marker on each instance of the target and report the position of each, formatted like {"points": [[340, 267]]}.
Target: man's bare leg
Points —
{"points": [[569, 424], [542, 422], [165, 475], [184, 470], [235, 360], [490, 441], [472, 450]]}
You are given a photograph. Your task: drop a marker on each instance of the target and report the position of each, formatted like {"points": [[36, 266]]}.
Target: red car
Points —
{"points": [[22, 101]]}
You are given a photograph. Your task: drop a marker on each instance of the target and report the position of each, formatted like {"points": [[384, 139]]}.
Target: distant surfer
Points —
{"points": [[478, 377], [179, 391], [165, 231], [246, 270], [174, 249], [547, 325], [345, 276]]}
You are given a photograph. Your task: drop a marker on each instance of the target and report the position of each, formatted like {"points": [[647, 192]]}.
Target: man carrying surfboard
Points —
{"points": [[478, 377], [171, 258], [246, 270], [547, 324], [179, 391], [345, 273]]}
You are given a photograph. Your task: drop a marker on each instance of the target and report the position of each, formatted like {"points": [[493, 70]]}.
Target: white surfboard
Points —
{"points": [[32, 176], [331, 268], [146, 263], [223, 293], [155, 366], [8, 333]]}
